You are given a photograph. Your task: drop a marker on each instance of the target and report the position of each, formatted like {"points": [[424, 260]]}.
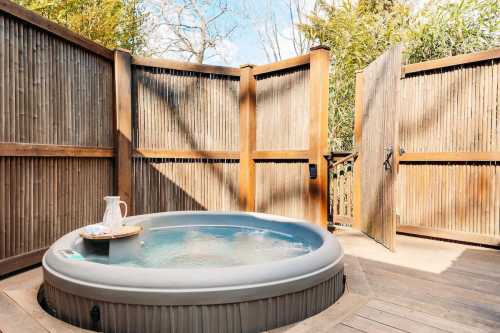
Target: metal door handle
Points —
{"points": [[388, 154]]}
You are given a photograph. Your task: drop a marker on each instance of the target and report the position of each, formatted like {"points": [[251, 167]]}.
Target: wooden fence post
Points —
{"points": [[318, 133], [358, 117], [247, 138], [123, 123]]}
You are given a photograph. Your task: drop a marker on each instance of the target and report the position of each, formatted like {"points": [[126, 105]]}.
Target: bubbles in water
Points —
{"points": [[216, 246]]}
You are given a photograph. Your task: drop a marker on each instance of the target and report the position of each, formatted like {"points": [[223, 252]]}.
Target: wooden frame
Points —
{"points": [[37, 150], [185, 66], [198, 154], [12, 264], [318, 133], [54, 28], [281, 155], [358, 132], [449, 235], [451, 61], [283, 64], [450, 157], [247, 138], [123, 123]]}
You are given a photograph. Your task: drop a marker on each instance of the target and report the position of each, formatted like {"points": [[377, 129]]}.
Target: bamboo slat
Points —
{"points": [[282, 188], [459, 198], [42, 199], [452, 110], [183, 110], [184, 184], [283, 110], [53, 92]]}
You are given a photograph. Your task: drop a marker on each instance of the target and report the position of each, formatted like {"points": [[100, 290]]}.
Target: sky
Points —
{"points": [[244, 46]]}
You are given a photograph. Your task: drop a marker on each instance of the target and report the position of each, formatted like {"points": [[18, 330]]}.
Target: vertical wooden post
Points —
{"points": [[123, 122], [358, 122], [318, 133], [247, 138]]}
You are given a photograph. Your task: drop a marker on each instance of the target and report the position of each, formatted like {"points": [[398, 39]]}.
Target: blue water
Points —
{"points": [[215, 246]]}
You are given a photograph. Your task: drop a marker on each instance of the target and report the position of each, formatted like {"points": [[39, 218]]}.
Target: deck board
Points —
{"points": [[425, 286]]}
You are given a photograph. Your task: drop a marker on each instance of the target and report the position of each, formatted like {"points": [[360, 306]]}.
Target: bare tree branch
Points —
{"points": [[277, 27], [192, 29]]}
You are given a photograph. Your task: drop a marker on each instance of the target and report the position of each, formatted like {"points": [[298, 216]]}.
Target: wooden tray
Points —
{"points": [[126, 231]]}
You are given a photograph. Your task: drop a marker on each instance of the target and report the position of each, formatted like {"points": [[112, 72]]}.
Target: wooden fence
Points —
{"points": [[448, 182], [56, 134], [449, 177], [79, 121]]}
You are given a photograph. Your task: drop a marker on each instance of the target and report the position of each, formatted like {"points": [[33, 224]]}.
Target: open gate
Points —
{"points": [[377, 99]]}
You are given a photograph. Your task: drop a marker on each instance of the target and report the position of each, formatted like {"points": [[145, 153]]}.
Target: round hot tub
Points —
{"points": [[195, 272]]}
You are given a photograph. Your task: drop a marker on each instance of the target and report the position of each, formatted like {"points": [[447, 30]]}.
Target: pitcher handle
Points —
{"points": [[125, 204]]}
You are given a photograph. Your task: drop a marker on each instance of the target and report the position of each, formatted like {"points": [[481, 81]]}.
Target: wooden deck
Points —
{"points": [[426, 286]]}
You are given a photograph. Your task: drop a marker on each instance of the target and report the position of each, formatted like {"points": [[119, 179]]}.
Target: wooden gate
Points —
{"points": [[376, 142]]}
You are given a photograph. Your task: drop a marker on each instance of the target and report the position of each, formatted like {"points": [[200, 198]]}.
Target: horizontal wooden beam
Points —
{"points": [[41, 22], [450, 235], [344, 159], [185, 66], [451, 157], [280, 155], [281, 65], [158, 153], [35, 150], [21, 261], [343, 219], [451, 61]]}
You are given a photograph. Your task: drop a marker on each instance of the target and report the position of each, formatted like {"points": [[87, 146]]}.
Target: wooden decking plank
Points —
{"points": [[486, 303], [369, 326], [394, 320], [324, 321], [356, 279], [14, 320], [490, 287], [422, 317], [475, 267], [472, 276], [453, 311], [423, 305], [342, 328], [27, 300]]}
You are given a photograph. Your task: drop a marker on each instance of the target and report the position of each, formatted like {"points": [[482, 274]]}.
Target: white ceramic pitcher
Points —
{"points": [[113, 215]]}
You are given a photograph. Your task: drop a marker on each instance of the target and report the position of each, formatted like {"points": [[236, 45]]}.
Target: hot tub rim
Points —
{"points": [[218, 294]]}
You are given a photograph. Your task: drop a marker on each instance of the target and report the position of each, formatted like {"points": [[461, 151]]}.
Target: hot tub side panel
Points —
{"points": [[252, 316]]}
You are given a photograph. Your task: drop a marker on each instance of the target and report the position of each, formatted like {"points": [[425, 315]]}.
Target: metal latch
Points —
{"points": [[388, 154]]}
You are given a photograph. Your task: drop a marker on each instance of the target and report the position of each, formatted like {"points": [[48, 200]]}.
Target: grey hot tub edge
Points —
{"points": [[247, 298]]}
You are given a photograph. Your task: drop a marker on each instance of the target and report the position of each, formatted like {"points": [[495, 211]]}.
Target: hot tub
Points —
{"points": [[195, 272]]}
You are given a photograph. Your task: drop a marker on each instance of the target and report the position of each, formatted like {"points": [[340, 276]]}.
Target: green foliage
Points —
{"points": [[359, 31], [111, 23], [445, 29], [356, 34]]}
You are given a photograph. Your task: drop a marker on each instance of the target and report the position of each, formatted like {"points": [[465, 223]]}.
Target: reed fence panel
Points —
{"points": [[449, 177], [79, 121], [56, 119], [377, 146], [185, 184], [282, 111], [185, 110], [282, 115], [282, 188], [53, 92], [453, 109], [177, 113]]}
